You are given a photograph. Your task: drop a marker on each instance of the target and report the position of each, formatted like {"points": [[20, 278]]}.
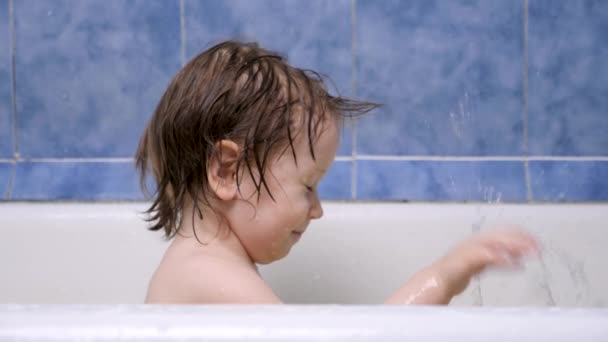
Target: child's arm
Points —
{"points": [[451, 274]]}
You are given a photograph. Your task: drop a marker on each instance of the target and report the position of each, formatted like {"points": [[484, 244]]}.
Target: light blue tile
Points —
{"points": [[5, 175], [568, 77], [336, 184], [441, 181], [76, 181], [346, 138], [448, 72], [6, 133], [561, 181], [90, 73], [312, 34], [118, 181]]}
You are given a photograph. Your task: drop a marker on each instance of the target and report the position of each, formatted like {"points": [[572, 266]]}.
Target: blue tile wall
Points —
{"points": [[559, 181], [488, 181], [75, 181], [568, 78], [484, 101], [89, 73], [6, 132], [5, 174], [336, 183], [449, 72]]}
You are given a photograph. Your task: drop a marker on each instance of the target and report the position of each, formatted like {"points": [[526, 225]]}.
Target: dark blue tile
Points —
{"points": [[89, 73], [313, 34], [448, 72], [76, 181], [6, 137], [568, 77], [5, 175], [563, 181], [336, 184], [441, 181]]}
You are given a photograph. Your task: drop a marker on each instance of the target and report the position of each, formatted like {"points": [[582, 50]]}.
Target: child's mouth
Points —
{"points": [[297, 235]]}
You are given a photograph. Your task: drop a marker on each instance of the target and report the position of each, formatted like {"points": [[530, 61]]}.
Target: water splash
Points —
{"points": [[491, 195], [462, 117]]}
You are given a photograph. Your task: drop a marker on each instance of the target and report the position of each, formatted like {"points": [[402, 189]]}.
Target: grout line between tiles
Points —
{"points": [[339, 159], [529, 194], [353, 23], [76, 160], [480, 158], [182, 32], [567, 158]]}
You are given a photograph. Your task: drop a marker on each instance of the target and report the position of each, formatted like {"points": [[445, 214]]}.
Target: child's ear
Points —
{"points": [[221, 172]]}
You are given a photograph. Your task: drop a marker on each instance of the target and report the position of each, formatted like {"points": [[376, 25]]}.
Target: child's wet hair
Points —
{"points": [[235, 91]]}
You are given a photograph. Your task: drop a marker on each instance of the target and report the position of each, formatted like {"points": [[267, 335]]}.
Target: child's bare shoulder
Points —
{"points": [[208, 279], [215, 279]]}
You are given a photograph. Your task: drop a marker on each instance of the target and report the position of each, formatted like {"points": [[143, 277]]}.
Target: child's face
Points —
{"points": [[268, 229]]}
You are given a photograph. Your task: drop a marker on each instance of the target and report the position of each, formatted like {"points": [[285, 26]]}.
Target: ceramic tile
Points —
{"points": [[76, 181], [89, 73], [441, 181], [448, 72], [561, 181], [6, 128], [568, 74]]}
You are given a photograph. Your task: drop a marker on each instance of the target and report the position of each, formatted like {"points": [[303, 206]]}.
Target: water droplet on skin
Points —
{"points": [[429, 284]]}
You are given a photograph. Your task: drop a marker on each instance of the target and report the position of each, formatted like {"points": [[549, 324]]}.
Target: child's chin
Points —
{"points": [[276, 256]]}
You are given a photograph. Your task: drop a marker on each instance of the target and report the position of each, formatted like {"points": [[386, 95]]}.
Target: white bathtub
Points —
{"points": [[54, 253], [359, 253], [300, 323]]}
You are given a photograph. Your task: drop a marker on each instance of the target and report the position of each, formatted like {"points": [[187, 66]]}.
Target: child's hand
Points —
{"points": [[494, 248]]}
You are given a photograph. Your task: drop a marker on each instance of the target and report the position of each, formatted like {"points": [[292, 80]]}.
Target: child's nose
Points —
{"points": [[316, 211]]}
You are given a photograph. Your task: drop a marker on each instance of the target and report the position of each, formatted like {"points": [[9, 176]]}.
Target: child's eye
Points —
{"points": [[310, 188]]}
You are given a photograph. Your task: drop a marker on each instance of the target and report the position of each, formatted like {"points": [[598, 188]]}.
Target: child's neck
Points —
{"points": [[215, 236]]}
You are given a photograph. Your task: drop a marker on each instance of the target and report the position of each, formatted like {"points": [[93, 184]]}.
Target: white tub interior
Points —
{"points": [[52, 253], [300, 323]]}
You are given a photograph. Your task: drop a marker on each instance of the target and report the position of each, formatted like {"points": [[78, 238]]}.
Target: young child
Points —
{"points": [[237, 146]]}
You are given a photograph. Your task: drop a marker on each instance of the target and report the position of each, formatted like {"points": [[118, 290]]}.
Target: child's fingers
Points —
{"points": [[516, 242], [525, 239], [502, 248], [508, 254], [513, 247], [510, 234], [509, 261]]}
